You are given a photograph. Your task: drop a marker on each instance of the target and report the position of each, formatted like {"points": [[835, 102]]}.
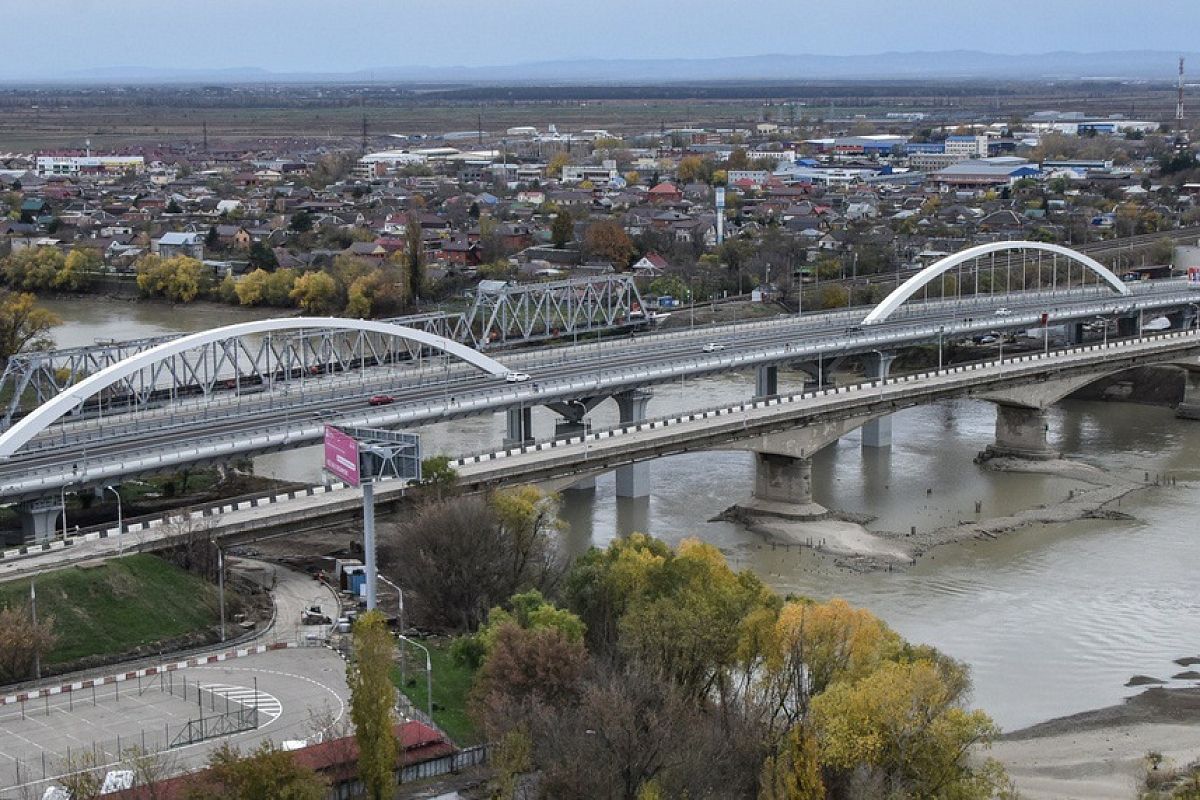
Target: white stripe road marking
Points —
{"points": [[265, 703]]}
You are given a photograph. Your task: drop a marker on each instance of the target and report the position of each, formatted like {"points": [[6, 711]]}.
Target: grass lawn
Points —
{"points": [[451, 682], [117, 606]]}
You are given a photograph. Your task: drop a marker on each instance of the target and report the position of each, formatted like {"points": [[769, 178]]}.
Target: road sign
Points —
{"points": [[341, 455]]}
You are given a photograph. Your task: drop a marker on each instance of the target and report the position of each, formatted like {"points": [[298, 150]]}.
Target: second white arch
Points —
{"points": [[914, 284]]}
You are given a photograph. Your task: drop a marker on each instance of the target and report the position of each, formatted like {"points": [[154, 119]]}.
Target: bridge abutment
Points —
{"points": [[633, 480], [877, 432], [1021, 433]]}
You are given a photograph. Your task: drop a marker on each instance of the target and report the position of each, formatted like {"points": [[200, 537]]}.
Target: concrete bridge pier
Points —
{"points": [[877, 432], [633, 480], [1128, 326], [1021, 433], [39, 519], [520, 427], [1189, 407], [565, 429], [766, 381], [783, 486]]}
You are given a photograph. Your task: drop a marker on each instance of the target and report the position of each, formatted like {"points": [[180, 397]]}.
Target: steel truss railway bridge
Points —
{"points": [[129, 417]]}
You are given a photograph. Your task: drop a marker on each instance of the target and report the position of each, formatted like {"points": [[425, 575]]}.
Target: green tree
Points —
{"points": [[562, 229], [23, 324], [414, 247], [372, 697], [301, 222], [268, 773], [262, 256]]}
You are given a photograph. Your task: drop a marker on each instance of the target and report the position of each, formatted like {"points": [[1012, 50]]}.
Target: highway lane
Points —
{"points": [[594, 368]]}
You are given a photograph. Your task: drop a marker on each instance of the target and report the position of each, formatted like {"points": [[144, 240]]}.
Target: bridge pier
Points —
{"points": [[1073, 333], [520, 427], [1127, 327], [783, 487], [1189, 407], [39, 519], [878, 431], [766, 381], [565, 429], [1021, 433], [633, 480]]}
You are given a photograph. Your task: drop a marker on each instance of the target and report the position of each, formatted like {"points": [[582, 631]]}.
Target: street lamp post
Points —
{"points": [[120, 520], [399, 625], [221, 586], [428, 675]]}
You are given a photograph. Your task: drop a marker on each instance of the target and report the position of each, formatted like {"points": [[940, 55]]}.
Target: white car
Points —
{"points": [[1002, 311], [713, 347], [517, 377]]}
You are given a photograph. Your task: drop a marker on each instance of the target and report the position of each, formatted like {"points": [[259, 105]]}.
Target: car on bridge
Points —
{"points": [[381, 400], [517, 377], [1002, 311], [713, 347]]}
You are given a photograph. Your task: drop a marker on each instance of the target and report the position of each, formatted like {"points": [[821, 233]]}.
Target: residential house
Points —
{"points": [[174, 244]]}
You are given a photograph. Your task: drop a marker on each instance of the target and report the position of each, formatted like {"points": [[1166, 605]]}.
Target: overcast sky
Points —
{"points": [[54, 36]]}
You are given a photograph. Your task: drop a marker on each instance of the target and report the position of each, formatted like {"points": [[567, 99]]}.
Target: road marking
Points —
{"points": [[266, 704]]}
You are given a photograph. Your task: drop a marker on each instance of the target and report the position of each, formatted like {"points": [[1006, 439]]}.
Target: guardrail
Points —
{"points": [[75, 468]]}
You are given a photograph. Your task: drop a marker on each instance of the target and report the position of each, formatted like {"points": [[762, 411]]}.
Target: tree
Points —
{"points": [[23, 324], [607, 240], [179, 279], [252, 288], [316, 292], [33, 268], [562, 229], [267, 773], [690, 169], [301, 222], [372, 697], [78, 269], [173, 207], [262, 256], [21, 642], [460, 557], [414, 248], [557, 161], [794, 771], [905, 723]]}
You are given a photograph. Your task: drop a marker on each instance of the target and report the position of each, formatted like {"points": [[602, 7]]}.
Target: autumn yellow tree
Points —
{"points": [[24, 325], [608, 241], [372, 697], [180, 279], [316, 292]]}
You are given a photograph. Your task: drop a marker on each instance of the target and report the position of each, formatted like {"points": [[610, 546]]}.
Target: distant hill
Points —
{"points": [[945, 65]]}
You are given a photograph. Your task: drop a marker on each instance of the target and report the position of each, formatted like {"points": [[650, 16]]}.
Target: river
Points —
{"points": [[1052, 619]]}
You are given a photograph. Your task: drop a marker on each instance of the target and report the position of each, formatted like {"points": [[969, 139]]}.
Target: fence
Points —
{"points": [[455, 762], [41, 765]]}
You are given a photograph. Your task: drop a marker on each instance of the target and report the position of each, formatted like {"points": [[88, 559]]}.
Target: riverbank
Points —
{"points": [[1101, 754], [846, 538]]}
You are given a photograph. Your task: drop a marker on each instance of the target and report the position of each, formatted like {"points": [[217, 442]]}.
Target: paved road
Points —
{"points": [[292, 687]]}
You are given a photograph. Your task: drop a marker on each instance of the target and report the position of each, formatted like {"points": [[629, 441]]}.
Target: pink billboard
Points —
{"points": [[341, 455]]}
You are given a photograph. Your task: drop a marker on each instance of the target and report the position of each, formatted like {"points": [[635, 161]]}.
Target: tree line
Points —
{"points": [[644, 671]]}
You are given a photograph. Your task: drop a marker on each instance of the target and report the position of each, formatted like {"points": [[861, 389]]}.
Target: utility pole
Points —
{"points": [[365, 140], [37, 655], [204, 128]]}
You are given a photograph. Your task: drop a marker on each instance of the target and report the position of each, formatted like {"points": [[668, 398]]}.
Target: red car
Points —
{"points": [[381, 400]]}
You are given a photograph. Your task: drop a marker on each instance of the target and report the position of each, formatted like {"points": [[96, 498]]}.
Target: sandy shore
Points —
{"points": [[853, 546], [1101, 754]]}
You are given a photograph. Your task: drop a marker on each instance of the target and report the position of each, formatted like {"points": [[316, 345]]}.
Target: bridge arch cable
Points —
{"points": [[151, 360], [938, 269]]}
